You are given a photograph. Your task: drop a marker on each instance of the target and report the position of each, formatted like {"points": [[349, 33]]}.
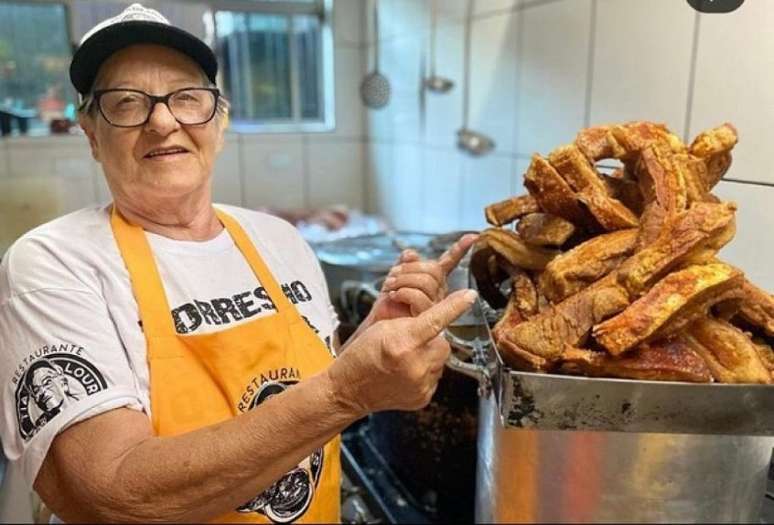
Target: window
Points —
{"points": [[276, 57], [277, 63], [34, 59]]}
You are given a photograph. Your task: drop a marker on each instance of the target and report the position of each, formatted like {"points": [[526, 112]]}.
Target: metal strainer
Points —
{"points": [[375, 88]]}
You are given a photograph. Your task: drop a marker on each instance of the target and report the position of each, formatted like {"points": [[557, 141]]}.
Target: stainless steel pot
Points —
{"points": [[572, 449]]}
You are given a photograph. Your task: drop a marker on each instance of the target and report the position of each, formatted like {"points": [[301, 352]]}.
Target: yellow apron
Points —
{"points": [[200, 380]]}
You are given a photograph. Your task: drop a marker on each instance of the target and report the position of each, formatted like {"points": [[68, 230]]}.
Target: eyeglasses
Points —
{"points": [[129, 108]]}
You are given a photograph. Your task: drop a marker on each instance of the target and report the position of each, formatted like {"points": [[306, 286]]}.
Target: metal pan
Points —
{"points": [[559, 402]]}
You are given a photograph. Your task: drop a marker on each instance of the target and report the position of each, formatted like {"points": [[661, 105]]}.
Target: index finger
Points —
{"points": [[432, 321], [452, 257]]}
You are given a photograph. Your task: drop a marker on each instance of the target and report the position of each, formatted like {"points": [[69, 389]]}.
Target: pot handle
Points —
{"points": [[476, 369]]}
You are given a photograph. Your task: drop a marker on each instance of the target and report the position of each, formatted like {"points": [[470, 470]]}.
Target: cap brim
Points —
{"points": [[99, 47]]}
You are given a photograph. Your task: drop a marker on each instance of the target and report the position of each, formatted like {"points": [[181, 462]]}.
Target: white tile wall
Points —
{"points": [[400, 62], [397, 18], [488, 6], [734, 79], [380, 167], [4, 167], [273, 171], [553, 69], [226, 183], [751, 249], [396, 184], [485, 180], [28, 201], [409, 201], [520, 166], [349, 71], [49, 156], [453, 10], [441, 190], [642, 61], [493, 87], [335, 173], [348, 23], [443, 111]]}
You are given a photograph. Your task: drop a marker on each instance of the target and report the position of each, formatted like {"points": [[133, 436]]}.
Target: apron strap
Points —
{"points": [[146, 282], [265, 277], [148, 287]]}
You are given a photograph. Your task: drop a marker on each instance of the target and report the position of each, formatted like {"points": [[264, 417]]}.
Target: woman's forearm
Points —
{"points": [[205, 473]]}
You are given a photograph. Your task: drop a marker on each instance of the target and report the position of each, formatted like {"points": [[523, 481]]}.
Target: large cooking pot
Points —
{"points": [[572, 449]]}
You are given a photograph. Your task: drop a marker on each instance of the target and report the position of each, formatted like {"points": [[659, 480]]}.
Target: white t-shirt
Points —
{"points": [[71, 344]]}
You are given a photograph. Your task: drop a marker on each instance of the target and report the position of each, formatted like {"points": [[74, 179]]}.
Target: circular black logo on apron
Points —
{"points": [[48, 385], [290, 496]]}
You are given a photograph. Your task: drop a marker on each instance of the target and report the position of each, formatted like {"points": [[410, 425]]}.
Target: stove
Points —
{"points": [[371, 492]]}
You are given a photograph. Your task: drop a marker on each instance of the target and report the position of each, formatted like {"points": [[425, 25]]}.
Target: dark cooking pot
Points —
{"points": [[433, 451]]}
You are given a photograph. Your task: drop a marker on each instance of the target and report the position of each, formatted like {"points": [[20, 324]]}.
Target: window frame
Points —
{"points": [[323, 9]]}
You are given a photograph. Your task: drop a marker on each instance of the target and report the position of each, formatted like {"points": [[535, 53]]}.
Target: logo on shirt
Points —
{"points": [[49, 384], [190, 316], [290, 496]]}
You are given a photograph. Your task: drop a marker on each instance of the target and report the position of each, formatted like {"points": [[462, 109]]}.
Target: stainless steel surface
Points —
{"points": [[571, 476], [375, 88], [573, 449]]}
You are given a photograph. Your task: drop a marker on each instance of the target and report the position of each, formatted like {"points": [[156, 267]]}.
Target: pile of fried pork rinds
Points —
{"points": [[617, 275]]}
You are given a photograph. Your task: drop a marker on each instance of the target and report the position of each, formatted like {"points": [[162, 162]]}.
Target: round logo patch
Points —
{"points": [[290, 496], [48, 385]]}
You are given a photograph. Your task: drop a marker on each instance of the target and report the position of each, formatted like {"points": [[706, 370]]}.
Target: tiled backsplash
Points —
{"points": [[542, 69]]}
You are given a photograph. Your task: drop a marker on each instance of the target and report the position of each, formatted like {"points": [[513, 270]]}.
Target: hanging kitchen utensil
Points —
{"points": [[436, 83], [375, 88], [473, 142]]}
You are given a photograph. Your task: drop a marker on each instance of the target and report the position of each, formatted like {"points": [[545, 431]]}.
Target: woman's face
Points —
{"points": [[136, 175]]}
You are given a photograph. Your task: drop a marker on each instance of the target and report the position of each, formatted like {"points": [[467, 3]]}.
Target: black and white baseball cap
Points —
{"points": [[135, 25]]}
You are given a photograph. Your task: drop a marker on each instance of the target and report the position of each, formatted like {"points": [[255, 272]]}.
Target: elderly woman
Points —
{"points": [[195, 343]]}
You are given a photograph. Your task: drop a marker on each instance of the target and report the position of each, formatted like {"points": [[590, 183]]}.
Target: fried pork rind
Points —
{"points": [[543, 229], [714, 141], [687, 293], [553, 194], [509, 210], [586, 263], [610, 213], [567, 323], [488, 274], [757, 308], [515, 251], [650, 300], [625, 189], [576, 169], [679, 238], [714, 147], [665, 360], [590, 189], [730, 354]]}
